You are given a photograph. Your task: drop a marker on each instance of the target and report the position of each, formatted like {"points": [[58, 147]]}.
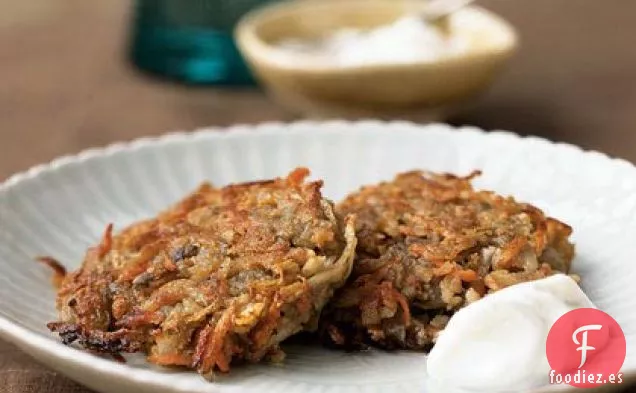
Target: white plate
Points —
{"points": [[61, 208]]}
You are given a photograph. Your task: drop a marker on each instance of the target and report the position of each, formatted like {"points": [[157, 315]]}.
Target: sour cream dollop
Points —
{"points": [[410, 39], [498, 342]]}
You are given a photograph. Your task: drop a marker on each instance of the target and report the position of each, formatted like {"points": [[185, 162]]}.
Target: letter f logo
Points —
{"points": [[583, 344]]}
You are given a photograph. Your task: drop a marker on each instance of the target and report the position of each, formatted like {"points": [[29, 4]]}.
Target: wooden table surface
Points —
{"points": [[66, 87]]}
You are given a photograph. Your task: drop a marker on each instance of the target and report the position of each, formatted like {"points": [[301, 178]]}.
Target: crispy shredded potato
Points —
{"points": [[227, 274], [223, 276], [429, 244]]}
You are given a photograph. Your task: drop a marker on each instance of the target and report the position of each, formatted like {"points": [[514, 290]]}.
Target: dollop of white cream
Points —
{"points": [[409, 39], [498, 342]]}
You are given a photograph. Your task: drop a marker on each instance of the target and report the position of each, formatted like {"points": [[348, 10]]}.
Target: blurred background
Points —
{"points": [[68, 83], [76, 74]]}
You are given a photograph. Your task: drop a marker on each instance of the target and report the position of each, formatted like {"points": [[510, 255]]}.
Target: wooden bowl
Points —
{"points": [[428, 90]]}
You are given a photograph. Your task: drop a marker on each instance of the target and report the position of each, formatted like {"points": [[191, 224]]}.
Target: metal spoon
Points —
{"points": [[438, 9]]}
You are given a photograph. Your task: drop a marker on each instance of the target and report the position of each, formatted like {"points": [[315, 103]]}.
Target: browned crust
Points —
{"points": [[428, 244], [223, 276], [59, 271]]}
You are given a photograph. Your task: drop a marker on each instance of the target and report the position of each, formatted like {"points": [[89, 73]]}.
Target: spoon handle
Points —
{"points": [[436, 9]]}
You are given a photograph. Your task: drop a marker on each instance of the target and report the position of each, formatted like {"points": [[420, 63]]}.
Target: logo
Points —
{"points": [[585, 348]]}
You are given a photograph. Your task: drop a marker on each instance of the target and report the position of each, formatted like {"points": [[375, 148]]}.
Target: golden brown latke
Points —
{"points": [[224, 275], [429, 244]]}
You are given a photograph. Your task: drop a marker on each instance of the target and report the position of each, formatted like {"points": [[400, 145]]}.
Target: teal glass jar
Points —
{"points": [[190, 40]]}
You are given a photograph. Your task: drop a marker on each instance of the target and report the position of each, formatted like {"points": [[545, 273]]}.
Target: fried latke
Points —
{"points": [[429, 244], [223, 276]]}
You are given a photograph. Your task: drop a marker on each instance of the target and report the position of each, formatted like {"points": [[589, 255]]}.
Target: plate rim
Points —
{"points": [[288, 127], [14, 332]]}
